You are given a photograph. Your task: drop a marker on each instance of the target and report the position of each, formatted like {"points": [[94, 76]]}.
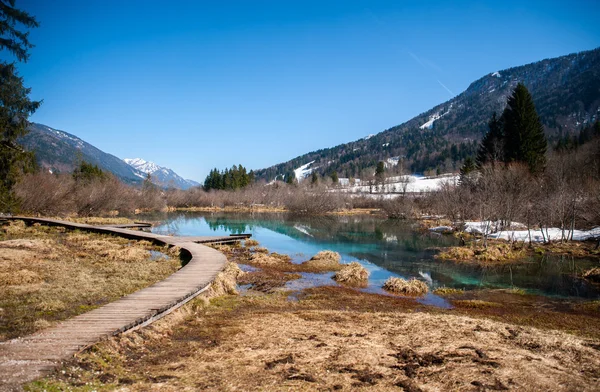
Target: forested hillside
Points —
{"points": [[566, 93]]}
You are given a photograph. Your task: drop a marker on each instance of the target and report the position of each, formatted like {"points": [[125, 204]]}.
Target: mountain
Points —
{"points": [[160, 175], [60, 152], [566, 92]]}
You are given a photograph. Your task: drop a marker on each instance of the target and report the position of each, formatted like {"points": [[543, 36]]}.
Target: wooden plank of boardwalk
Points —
{"points": [[30, 357]]}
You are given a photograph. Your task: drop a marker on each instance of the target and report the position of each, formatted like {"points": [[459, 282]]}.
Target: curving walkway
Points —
{"points": [[30, 357]]}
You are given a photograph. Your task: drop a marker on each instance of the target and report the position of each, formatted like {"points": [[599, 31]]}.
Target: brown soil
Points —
{"points": [[370, 343], [337, 338]]}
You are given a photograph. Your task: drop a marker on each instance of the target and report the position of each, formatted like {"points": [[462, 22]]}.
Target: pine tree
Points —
{"points": [[491, 149], [314, 179], [16, 106], [523, 131], [334, 177], [290, 177], [379, 172], [467, 172]]}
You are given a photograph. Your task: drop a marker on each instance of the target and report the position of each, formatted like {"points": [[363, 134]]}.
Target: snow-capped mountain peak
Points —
{"points": [[160, 175], [142, 165]]}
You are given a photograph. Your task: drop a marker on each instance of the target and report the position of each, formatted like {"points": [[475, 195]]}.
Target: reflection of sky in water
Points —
{"points": [[388, 248]]}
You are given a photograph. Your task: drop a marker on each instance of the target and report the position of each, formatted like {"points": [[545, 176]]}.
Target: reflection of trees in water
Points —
{"points": [[222, 223]]}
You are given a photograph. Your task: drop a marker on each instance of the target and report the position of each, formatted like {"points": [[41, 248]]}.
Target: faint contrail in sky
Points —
{"points": [[426, 64], [447, 89]]}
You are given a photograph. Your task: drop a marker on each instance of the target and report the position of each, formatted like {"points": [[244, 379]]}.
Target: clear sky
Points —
{"points": [[193, 85]]}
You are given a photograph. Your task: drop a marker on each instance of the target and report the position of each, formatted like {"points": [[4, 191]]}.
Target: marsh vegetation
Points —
{"points": [[48, 274]]}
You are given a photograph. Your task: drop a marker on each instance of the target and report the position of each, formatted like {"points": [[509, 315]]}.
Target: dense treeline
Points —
{"points": [[229, 179]]}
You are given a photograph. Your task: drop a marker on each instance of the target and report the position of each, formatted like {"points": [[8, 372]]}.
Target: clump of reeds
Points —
{"points": [[269, 258], [408, 287], [592, 274], [325, 260], [226, 281], [493, 253], [250, 243], [447, 291], [352, 274]]}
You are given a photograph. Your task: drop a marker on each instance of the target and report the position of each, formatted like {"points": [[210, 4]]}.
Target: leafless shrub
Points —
{"points": [[313, 201], [400, 207], [45, 193]]}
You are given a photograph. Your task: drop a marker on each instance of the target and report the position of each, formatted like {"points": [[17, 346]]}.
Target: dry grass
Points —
{"points": [[593, 275], [268, 343], [495, 253], [226, 281], [407, 287], [47, 274], [325, 260], [269, 258], [476, 304], [445, 291], [352, 274], [249, 243], [94, 220]]}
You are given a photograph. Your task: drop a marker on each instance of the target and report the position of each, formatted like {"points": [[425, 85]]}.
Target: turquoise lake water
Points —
{"points": [[386, 248]]}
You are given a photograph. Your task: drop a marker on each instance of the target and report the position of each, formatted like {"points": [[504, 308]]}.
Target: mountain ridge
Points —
{"points": [[160, 175], [565, 89], [60, 152]]}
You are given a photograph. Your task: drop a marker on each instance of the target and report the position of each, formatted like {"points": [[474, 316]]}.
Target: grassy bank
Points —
{"points": [[338, 338], [48, 274]]}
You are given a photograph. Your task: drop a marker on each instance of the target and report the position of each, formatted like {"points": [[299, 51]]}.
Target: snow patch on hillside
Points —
{"points": [[435, 116], [496, 74], [303, 171], [391, 162]]}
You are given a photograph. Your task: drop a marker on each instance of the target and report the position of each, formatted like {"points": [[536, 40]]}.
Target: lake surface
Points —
{"points": [[386, 248]]}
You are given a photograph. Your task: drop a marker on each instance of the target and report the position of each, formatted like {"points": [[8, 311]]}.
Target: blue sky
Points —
{"points": [[193, 85]]}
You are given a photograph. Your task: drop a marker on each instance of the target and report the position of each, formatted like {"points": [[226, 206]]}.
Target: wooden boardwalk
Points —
{"points": [[30, 357]]}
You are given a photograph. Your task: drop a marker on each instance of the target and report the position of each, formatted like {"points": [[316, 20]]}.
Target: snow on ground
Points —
{"points": [[496, 74], [398, 184], [552, 234], [342, 181], [391, 162], [303, 171], [368, 137], [519, 232]]}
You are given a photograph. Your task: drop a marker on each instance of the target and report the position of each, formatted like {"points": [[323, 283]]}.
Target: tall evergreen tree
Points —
{"points": [[523, 131], [467, 172], [491, 149], [16, 106], [379, 172], [334, 177]]}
